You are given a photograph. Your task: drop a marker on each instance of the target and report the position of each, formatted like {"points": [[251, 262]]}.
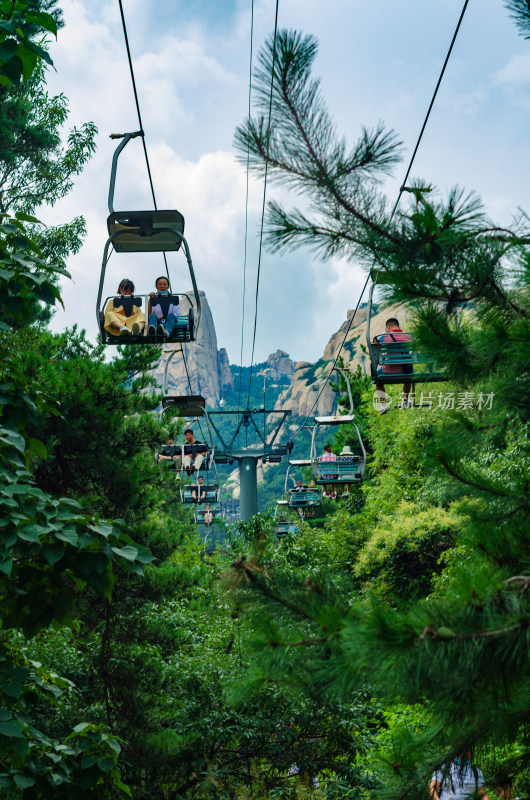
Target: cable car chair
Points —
{"points": [[345, 469], [284, 526], [401, 357], [301, 497], [192, 407], [150, 231], [215, 510]]}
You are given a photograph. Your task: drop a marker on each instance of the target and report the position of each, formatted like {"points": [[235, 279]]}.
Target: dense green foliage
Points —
{"points": [[438, 614], [346, 661]]}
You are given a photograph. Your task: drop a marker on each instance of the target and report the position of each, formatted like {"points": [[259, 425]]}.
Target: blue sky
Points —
{"points": [[377, 61]]}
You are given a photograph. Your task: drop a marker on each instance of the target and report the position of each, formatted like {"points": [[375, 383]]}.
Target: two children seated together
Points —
{"points": [[124, 315]]}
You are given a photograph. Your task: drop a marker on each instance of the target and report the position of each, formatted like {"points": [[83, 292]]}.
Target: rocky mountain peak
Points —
{"points": [[279, 364], [208, 369]]}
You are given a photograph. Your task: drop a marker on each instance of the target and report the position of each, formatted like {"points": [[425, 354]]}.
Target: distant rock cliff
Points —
{"points": [[278, 365], [208, 369], [226, 379]]}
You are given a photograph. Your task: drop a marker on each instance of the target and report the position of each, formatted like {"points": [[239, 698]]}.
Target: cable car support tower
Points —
{"points": [[266, 449]]}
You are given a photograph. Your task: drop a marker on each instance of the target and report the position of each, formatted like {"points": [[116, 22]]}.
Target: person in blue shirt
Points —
{"points": [[161, 320]]}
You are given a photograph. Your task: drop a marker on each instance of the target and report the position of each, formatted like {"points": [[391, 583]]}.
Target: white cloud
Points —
{"points": [[516, 73]]}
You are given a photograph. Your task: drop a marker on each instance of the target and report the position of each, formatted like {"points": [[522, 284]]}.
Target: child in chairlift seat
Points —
{"points": [[158, 323], [120, 319]]}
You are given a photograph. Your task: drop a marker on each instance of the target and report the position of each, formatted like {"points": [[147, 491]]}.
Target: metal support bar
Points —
{"points": [[126, 139], [248, 486]]}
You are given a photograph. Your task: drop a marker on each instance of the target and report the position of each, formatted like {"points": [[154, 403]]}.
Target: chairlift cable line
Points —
{"points": [[401, 190], [263, 203], [246, 206], [140, 123], [189, 384], [431, 104]]}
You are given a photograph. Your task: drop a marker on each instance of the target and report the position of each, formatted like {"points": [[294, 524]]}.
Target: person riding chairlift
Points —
{"points": [[158, 323], [199, 491], [346, 456], [193, 449], [124, 319], [394, 334], [328, 471], [208, 515]]}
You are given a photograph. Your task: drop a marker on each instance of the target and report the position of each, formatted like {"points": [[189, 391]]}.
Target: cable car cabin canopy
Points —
{"points": [[185, 405], [394, 357], [146, 231], [332, 469]]}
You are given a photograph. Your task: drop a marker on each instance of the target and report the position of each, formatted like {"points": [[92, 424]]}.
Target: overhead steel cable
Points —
{"points": [[431, 104], [140, 123], [189, 384], [263, 203], [401, 190], [246, 207]]}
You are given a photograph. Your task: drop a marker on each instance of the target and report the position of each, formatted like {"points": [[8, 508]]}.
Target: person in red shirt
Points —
{"points": [[393, 334]]}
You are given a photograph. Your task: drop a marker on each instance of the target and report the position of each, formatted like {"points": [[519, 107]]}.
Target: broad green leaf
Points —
{"points": [[81, 727], [26, 217], [12, 729], [8, 48], [32, 533], [24, 783], [37, 448], [106, 764], [128, 552], [39, 51], [67, 535], [104, 528], [53, 553], [43, 20]]}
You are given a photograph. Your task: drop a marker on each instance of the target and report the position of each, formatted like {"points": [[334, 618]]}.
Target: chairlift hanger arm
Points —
{"points": [[171, 354], [126, 138], [348, 388]]}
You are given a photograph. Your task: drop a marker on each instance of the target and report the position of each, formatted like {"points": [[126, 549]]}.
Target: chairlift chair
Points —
{"points": [[153, 231], [207, 493], [345, 469], [191, 408], [304, 496], [199, 513], [407, 365], [284, 527]]}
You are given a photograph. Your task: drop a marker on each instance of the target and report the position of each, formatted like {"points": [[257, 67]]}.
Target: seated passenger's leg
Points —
{"points": [[199, 458], [153, 322], [170, 324]]}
